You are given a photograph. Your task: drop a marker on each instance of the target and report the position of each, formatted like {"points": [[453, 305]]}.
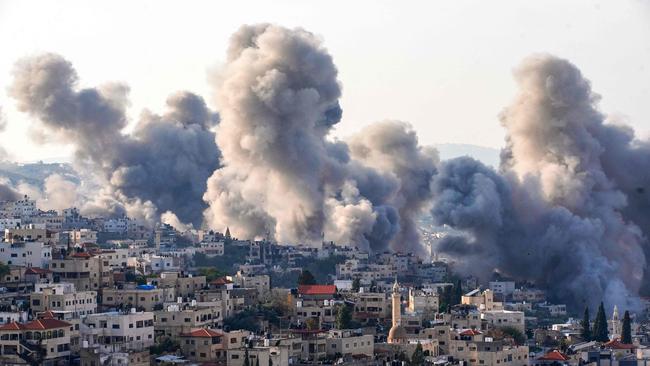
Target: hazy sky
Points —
{"points": [[444, 66]]}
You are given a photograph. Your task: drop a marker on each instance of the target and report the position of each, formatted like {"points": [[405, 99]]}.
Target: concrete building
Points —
{"points": [[42, 341], [177, 319], [118, 331], [503, 288], [26, 253], [505, 318], [85, 271], [140, 297], [348, 343], [482, 300], [260, 282], [423, 302], [62, 297]]}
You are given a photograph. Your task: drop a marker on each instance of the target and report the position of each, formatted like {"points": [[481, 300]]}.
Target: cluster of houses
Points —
{"points": [[90, 292]]}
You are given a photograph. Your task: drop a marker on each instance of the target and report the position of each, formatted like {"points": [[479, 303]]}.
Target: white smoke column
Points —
{"points": [[278, 98], [164, 163], [554, 216]]}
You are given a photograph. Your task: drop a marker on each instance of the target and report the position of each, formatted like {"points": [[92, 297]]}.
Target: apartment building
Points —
{"points": [[144, 297], [177, 319], [62, 297], [348, 343], [26, 253], [84, 270], [118, 331], [42, 341]]}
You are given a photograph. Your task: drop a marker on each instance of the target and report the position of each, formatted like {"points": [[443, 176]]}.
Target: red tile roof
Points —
{"points": [[616, 344], [317, 289], [81, 255], [554, 355], [39, 324], [470, 332], [37, 270], [203, 333], [220, 281], [46, 314]]}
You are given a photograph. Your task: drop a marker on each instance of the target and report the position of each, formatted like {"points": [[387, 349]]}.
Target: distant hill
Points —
{"points": [[486, 155], [35, 173]]}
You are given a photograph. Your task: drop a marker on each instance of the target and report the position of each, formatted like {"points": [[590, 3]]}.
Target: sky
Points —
{"points": [[444, 66]]}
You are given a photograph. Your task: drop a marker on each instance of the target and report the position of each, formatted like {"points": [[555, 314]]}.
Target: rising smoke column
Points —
{"points": [[553, 216], [392, 148], [281, 177], [164, 163]]}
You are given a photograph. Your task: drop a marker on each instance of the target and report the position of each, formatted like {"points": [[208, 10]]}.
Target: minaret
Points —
{"points": [[616, 331], [397, 311]]}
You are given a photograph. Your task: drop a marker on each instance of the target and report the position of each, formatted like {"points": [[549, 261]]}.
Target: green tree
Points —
{"points": [[343, 317], [515, 334], [210, 273], [4, 269], [417, 359], [586, 326], [356, 284], [600, 332], [626, 337], [306, 278]]}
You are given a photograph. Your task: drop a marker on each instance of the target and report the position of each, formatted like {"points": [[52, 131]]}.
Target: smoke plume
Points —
{"points": [[555, 215], [164, 162], [281, 176]]}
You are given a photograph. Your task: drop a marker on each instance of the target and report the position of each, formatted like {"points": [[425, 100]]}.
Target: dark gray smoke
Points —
{"points": [[555, 214], [278, 98], [162, 165]]}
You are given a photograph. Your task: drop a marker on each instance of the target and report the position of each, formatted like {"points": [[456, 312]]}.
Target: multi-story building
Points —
{"points": [[471, 347], [503, 288], [83, 236], [84, 270], [26, 253], [203, 345], [42, 342], [423, 302], [370, 305], [177, 319], [118, 331], [211, 248], [145, 297], [62, 297], [185, 286], [504, 318], [260, 282], [482, 300], [348, 343]]}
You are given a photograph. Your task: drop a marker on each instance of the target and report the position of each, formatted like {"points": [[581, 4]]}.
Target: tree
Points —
{"points": [[417, 359], [343, 317], [515, 334], [600, 332], [356, 284], [626, 337], [586, 326], [4, 269], [306, 278]]}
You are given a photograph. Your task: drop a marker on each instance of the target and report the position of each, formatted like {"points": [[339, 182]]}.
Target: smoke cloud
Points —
{"points": [[555, 214], [282, 177], [163, 163]]}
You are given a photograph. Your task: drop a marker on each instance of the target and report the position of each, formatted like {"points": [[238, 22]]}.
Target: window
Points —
{"points": [[116, 326]]}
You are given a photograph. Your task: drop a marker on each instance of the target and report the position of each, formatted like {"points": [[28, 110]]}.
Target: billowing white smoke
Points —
{"points": [[553, 215], [281, 177], [161, 166]]}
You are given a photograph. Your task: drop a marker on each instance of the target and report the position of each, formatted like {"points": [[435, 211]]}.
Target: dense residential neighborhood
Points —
{"points": [[112, 291]]}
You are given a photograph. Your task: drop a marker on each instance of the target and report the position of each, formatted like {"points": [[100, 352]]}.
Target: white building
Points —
{"points": [[63, 297], [28, 254], [117, 331], [9, 223], [505, 318], [504, 288]]}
